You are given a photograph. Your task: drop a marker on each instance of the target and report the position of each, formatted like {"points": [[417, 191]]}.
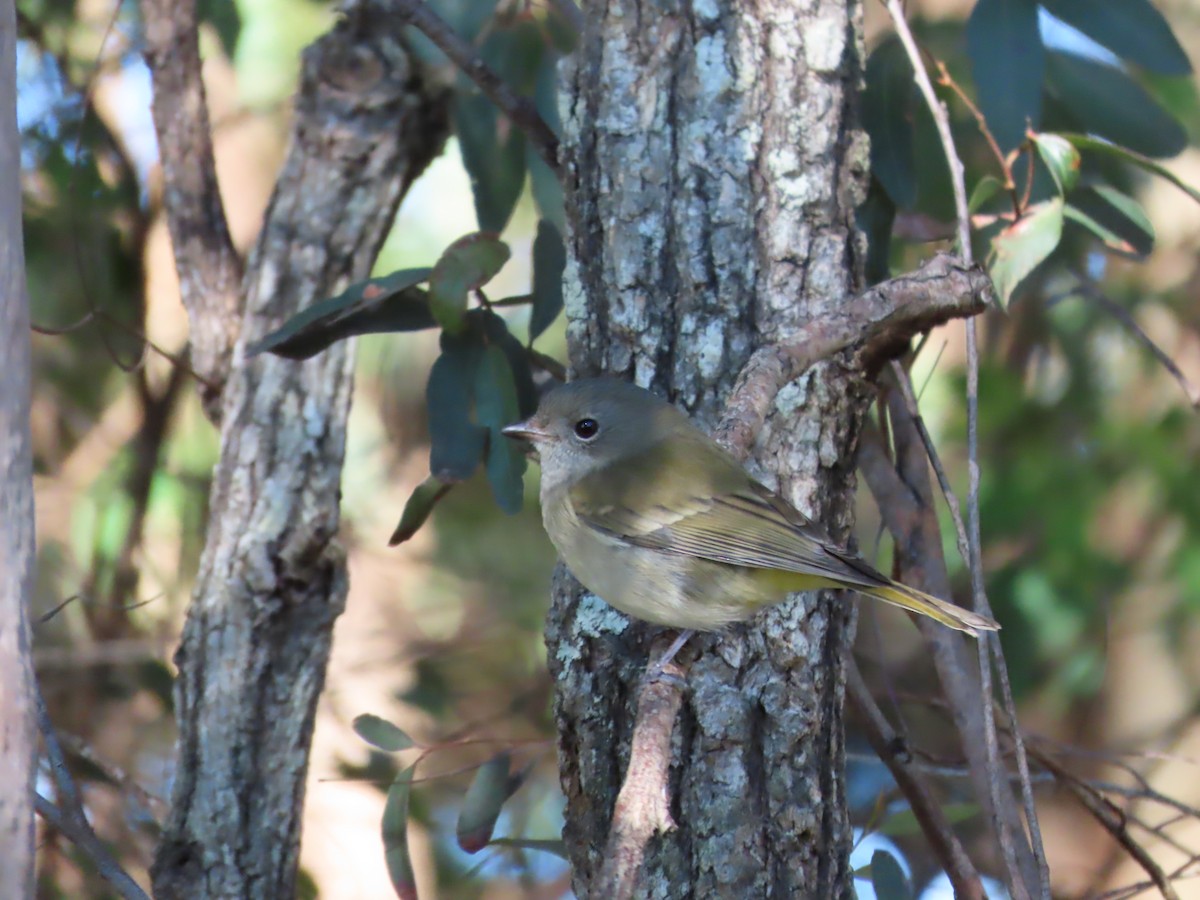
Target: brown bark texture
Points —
{"points": [[714, 162], [17, 734], [272, 578]]}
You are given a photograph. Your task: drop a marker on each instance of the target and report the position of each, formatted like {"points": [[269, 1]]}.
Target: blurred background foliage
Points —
{"points": [[1090, 448]]}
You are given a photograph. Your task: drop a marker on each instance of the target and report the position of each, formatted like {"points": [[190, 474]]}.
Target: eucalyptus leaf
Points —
{"points": [[1061, 158], [390, 303], [1133, 29], [416, 511], [490, 789], [493, 153], [1115, 218], [456, 444], [1021, 247], [1108, 148], [1007, 61], [517, 355], [394, 830], [381, 733], [470, 262], [549, 261], [1105, 101], [496, 405], [888, 111], [888, 878]]}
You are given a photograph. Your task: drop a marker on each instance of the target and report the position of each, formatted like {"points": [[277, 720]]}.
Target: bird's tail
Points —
{"points": [[928, 605]]}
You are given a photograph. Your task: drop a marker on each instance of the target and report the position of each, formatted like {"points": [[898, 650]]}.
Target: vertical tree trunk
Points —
{"points": [[272, 578], [716, 161], [17, 734]]}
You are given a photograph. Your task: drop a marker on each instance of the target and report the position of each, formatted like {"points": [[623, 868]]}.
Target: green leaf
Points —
{"points": [[493, 153], [985, 189], [888, 102], [904, 823], [391, 303], [496, 405], [490, 789], [1061, 158], [1105, 101], [1007, 60], [394, 831], [1133, 29], [888, 878], [545, 845], [1113, 217], [549, 261], [420, 504], [517, 355], [1099, 145], [470, 262], [546, 189], [381, 733], [456, 444], [1019, 248]]}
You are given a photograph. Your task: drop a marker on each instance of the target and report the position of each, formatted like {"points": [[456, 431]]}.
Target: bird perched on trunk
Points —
{"points": [[651, 515]]}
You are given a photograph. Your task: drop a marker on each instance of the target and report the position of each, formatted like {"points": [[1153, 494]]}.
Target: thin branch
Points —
{"points": [[519, 109], [82, 836], [1092, 292], [643, 806], [882, 319], [989, 646], [945, 844]]}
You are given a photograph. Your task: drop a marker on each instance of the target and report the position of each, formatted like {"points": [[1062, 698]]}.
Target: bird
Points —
{"points": [[654, 517]]}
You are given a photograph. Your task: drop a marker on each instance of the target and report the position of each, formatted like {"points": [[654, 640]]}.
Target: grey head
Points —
{"points": [[587, 424]]}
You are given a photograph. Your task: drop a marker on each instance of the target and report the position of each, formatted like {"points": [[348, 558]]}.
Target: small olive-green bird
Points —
{"points": [[651, 515]]}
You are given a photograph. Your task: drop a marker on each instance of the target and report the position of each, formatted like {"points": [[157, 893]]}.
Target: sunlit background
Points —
{"points": [[1091, 500]]}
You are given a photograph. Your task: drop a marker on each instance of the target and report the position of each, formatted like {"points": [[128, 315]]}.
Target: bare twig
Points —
{"points": [[70, 818], [1092, 292], [990, 645], [82, 836], [643, 806], [882, 318], [519, 109], [945, 844]]}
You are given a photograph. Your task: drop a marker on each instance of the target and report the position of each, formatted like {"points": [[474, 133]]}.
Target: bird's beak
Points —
{"points": [[529, 430]]}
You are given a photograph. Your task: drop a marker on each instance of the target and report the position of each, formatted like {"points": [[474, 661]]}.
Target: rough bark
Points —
{"points": [[272, 578], [17, 740], [714, 161]]}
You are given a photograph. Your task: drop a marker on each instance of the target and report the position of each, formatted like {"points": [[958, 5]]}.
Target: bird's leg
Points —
{"points": [[657, 671]]}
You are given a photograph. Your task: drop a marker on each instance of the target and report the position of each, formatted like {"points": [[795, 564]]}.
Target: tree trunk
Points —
{"points": [[17, 735], [272, 578], [715, 162]]}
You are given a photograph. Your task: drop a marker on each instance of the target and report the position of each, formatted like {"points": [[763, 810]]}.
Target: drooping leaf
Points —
{"points": [[888, 878], [1018, 249], [394, 831], [470, 262], [1106, 102], [493, 153], [456, 444], [496, 405], [1061, 158], [390, 303], [888, 103], [517, 355], [490, 789], [1115, 218], [420, 504], [549, 261], [381, 733], [1008, 61], [1099, 145], [1133, 29], [546, 189], [875, 217]]}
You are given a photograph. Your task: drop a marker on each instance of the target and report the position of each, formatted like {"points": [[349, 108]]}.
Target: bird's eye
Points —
{"points": [[586, 429]]}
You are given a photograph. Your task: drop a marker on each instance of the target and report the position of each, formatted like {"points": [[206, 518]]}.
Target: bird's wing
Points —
{"points": [[690, 497]]}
